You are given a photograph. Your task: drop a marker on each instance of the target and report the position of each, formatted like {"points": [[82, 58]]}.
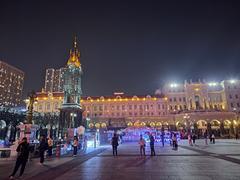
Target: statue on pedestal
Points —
{"points": [[28, 129]]}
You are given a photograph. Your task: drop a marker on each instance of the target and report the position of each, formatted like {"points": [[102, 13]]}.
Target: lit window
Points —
{"points": [[130, 107]]}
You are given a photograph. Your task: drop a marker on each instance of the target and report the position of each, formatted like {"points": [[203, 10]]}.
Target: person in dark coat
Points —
{"points": [[42, 148], [114, 144], [162, 138], [22, 158], [50, 147], [75, 146], [151, 138], [194, 138], [174, 141]]}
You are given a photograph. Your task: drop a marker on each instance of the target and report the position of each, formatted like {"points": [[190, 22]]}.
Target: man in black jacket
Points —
{"points": [[42, 148], [114, 144], [152, 140], [23, 152]]}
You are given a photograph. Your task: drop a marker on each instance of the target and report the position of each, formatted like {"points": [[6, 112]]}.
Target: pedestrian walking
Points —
{"points": [[174, 140], [210, 137], [22, 157], [190, 139], [42, 148], [237, 136], [152, 140], [162, 138], [213, 138], [114, 144], [75, 146], [206, 138], [142, 144], [50, 146], [194, 138]]}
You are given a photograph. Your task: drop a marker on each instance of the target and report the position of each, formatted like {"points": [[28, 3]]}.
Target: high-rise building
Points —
{"points": [[54, 80], [11, 85]]}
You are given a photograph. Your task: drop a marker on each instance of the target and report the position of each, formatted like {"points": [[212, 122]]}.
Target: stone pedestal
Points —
{"points": [[67, 121], [28, 131]]}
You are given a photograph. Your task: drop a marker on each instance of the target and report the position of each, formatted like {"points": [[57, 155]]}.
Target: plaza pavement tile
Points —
{"points": [[185, 163], [220, 161]]}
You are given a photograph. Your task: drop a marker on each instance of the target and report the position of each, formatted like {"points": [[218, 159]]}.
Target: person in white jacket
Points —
{"points": [[142, 144]]}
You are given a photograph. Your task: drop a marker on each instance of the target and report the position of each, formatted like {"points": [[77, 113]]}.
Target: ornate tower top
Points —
{"points": [[74, 58]]}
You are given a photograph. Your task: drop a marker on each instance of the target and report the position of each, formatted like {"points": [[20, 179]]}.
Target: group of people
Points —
{"points": [[24, 149], [192, 138], [211, 137], [142, 144]]}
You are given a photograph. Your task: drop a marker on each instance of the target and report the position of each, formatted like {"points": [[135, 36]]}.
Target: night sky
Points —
{"points": [[132, 47]]}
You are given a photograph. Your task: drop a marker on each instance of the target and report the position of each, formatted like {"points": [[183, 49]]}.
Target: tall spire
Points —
{"points": [[75, 42], [74, 58]]}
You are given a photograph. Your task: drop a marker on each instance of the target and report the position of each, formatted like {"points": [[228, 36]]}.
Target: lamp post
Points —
{"points": [[88, 120], [73, 115]]}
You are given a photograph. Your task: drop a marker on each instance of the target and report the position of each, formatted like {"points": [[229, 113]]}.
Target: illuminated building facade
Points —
{"points": [[219, 96], [11, 85], [179, 105], [118, 110], [54, 80]]}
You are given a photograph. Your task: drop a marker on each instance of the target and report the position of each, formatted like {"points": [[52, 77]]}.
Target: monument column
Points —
{"points": [[71, 111]]}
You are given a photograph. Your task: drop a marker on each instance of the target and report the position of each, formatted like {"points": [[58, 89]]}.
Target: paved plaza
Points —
{"points": [[216, 161]]}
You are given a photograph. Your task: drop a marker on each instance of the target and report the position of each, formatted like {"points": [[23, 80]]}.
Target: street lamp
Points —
{"points": [[73, 115]]}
